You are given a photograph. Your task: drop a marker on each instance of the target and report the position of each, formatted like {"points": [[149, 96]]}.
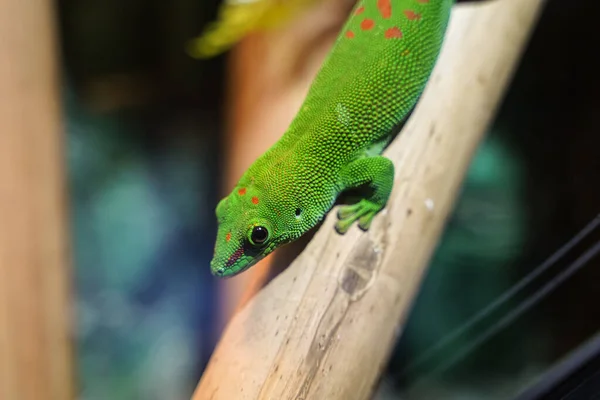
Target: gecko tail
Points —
{"points": [[238, 18]]}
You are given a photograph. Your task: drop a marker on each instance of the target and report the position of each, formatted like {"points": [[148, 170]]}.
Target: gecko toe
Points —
{"points": [[364, 211], [364, 222], [341, 227]]}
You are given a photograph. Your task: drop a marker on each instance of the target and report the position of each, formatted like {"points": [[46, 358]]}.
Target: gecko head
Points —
{"points": [[249, 230]]}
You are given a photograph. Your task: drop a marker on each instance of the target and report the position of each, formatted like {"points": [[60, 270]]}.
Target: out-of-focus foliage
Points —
{"points": [[238, 18]]}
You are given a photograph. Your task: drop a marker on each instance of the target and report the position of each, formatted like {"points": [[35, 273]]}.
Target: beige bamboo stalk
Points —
{"points": [[35, 348], [324, 328]]}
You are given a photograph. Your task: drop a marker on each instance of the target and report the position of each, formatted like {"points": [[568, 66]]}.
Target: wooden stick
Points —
{"points": [[324, 328], [35, 348]]}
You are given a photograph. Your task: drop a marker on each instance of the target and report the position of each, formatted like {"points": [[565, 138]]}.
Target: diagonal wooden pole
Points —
{"points": [[35, 348], [324, 328]]}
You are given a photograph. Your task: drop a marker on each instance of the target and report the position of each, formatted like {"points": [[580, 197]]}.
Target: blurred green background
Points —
{"points": [[144, 123]]}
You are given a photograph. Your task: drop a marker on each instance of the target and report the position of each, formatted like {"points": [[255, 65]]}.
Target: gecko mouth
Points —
{"points": [[242, 259], [226, 272], [234, 258]]}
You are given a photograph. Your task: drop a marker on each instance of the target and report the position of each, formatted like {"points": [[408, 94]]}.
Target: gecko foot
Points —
{"points": [[364, 211]]}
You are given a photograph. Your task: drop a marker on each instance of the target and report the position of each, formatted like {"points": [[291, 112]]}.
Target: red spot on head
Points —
{"points": [[254, 200], [410, 14], [349, 34], [228, 237], [393, 33], [367, 24], [242, 191], [359, 11], [385, 8]]}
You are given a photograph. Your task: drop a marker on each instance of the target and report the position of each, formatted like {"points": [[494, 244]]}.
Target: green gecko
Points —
{"points": [[368, 85]]}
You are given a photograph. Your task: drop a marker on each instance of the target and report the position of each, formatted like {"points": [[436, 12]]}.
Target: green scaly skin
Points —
{"points": [[367, 86]]}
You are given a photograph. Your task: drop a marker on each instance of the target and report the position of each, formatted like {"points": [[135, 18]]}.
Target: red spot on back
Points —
{"points": [[349, 34], [410, 14], [254, 200], [359, 11], [423, 1], [367, 24], [385, 8], [393, 33], [242, 191], [228, 237]]}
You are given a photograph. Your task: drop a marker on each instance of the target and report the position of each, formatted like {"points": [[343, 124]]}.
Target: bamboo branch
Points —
{"points": [[35, 348], [324, 328]]}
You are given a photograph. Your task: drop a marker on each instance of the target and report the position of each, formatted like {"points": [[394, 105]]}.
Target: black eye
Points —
{"points": [[298, 212], [259, 235]]}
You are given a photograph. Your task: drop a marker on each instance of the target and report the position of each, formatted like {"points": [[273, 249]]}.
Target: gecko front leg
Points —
{"points": [[376, 175]]}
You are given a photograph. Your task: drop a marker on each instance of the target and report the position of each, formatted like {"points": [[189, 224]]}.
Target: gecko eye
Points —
{"points": [[259, 235]]}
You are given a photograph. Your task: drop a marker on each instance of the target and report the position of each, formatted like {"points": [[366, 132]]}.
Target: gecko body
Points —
{"points": [[367, 86]]}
